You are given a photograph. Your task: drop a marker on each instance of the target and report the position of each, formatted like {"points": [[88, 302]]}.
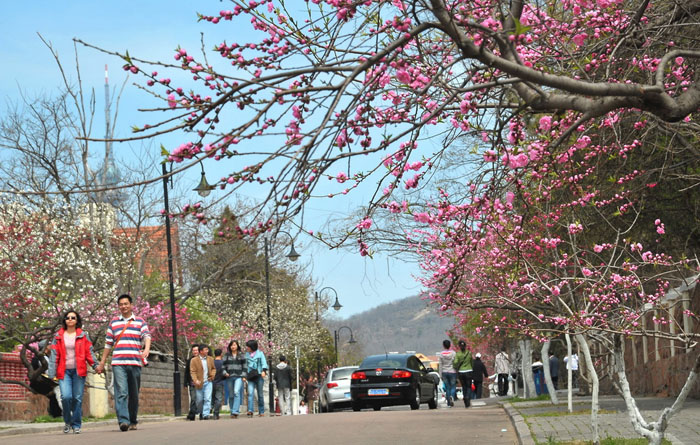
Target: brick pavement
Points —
{"points": [[684, 428]]}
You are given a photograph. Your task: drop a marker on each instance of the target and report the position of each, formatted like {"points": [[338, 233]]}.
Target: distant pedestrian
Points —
{"points": [[479, 374], [303, 409], [234, 364], [283, 381], [502, 366], [463, 365], [125, 334], [257, 371], [192, 414], [217, 397], [311, 393], [203, 370], [573, 364], [554, 369], [449, 374], [70, 354]]}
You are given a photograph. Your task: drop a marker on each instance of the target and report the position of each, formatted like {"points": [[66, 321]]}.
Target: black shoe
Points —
{"points": [[190, 417], [216, 417], [124, 426], [204, 418]]}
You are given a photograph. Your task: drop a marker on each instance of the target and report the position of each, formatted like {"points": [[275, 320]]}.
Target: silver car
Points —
{"points": [[335, 389]]}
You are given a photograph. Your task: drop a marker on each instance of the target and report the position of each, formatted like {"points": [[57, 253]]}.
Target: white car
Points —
{"points": [[335, 389]]}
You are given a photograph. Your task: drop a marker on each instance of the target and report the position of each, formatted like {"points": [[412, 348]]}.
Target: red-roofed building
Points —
{"points": [[155, 250]]}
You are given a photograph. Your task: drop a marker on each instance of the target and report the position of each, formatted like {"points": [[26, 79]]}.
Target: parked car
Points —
{"points": [[335, 389], [393, 379]]}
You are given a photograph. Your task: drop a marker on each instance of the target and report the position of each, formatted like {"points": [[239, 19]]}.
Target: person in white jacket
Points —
{"points": [[502, 366]]}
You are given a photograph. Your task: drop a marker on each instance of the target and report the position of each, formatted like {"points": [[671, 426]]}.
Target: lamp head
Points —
{"points": [[293, 255], [337, 304], [203, 188]]}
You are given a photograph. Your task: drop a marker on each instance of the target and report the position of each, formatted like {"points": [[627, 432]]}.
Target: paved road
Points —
{"points": [[478, 426]]}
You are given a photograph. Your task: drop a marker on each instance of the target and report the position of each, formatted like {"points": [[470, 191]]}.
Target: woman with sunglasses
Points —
{"points": [[71, 353]]}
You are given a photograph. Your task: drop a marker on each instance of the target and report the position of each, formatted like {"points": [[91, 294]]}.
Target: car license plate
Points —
{"points": [[378, 392], [347, 395]]}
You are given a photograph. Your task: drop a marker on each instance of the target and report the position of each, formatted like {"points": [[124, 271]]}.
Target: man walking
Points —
{"points": [[283, 380], [479, 372], [554, 369], [190, 384], [502, 369], [124, 336], [202, 371], [218, 383]]}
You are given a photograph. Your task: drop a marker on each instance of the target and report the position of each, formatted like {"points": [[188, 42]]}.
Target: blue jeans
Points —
{"points": [[234, 386], [258, 385], [204, 399], [127, 382], [450, 379], [72, 386]]}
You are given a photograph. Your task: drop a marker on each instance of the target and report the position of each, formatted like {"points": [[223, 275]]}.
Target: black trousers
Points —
{"points": [[478, 388], [465, 379], [193, 402], [502, 384]]}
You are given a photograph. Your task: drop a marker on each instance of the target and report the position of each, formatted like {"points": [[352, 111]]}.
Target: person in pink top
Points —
{"points": [[70, 354]]}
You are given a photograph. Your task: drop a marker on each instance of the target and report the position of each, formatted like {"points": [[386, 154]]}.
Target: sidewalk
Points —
{"points": [[537, 422], [9, 428]]}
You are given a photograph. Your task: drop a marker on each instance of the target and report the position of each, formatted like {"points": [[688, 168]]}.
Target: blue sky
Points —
{"points": [[152, 30]]}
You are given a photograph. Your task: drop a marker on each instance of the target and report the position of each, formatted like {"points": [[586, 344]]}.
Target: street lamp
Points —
{"points": [[204, 188], [293, 256], [336, 335], [176, 365], [335, 306]]}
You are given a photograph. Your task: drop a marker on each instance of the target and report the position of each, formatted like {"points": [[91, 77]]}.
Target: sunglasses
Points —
{"points": [[71, 317]]}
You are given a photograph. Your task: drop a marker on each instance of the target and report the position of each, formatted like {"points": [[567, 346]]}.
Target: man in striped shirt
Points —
{"points": [[124, 335]]}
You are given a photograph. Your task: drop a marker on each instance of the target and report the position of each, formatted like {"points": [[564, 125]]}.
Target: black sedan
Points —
{"points": [[392, 379]]}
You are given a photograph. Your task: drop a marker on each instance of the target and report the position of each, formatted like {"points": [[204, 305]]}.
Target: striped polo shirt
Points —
{"points": [[128, 350]]}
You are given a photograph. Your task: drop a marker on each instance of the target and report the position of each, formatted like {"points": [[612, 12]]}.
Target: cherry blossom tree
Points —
{"points": [[551, 232]]}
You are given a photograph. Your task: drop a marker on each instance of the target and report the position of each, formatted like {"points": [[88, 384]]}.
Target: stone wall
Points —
{"points": [[17, 402], [156, 396]]}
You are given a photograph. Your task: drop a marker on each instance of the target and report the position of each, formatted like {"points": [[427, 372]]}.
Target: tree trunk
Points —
{"points": [[528, 379], [593, 376], [654, 432], [547, 372], [569, 375]]}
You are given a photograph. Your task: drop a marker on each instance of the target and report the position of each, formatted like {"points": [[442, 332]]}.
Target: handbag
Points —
{"points": [[253, 373]]}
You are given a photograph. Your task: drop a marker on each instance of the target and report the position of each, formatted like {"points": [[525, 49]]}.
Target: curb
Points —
{"points": [[36, 428], [521, 428]]}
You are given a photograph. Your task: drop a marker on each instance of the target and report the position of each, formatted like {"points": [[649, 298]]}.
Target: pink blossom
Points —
{"points": [[364, 224], [172, 103], [341, 177], [545, 123]]}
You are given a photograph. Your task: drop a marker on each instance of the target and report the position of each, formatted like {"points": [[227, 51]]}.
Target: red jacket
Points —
{"points": [[83, 354]]}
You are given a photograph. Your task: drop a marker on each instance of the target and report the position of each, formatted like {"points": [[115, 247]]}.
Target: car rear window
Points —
{"points": [[383, 362], [342, 374]]}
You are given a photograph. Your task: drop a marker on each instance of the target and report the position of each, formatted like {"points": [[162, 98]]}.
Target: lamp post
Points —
{"points": [[176, 366], [293, 256], [335, 306], [336, 335]]}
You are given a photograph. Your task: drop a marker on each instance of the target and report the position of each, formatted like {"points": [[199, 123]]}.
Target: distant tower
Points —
{"points": [[102, 211], [109, 174]]}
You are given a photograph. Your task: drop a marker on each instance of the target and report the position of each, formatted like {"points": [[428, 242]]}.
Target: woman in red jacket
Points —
{"points": [[71, 353]]}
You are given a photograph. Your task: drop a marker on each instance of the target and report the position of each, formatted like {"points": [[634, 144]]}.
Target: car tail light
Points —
{"points": [[331, 385], [401, 375], [358, 375]]}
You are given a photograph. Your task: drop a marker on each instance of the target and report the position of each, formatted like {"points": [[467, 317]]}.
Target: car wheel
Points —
{"points": [[329, 407], [433, 402], [377, 407], [356, 406], [415, 403]]}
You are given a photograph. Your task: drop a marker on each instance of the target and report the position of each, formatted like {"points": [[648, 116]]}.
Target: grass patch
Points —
{"points": [[539, 398], [566, 413], [49, 419], [606, 441]]}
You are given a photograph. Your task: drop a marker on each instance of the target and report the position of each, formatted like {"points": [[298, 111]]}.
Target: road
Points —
{"points": [[478, 426]]}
